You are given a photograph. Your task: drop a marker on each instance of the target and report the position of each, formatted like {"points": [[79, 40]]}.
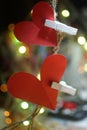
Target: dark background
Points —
{"points": [[13, 11]]}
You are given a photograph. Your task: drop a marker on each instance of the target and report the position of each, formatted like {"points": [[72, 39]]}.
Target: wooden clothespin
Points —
{"points": [[64, 88], [60, 27]]}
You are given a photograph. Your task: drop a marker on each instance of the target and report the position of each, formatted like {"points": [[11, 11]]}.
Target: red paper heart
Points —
{"points": [[53, 68], [41, 12], [35, 32], [28, 87]]}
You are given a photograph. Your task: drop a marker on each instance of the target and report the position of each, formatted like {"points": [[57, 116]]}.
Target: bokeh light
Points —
{"points": [[8, 120], [65, 13], [38, 76], [3, 87], [42, 110], [6, 113], [81, 40], [85, 67], [85, 46], [26, 123], [63, 83], [24, 105], [22, 49]]}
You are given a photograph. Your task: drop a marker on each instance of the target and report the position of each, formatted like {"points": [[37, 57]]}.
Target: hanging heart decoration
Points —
{"points": [[27, 87], [34, 32]]}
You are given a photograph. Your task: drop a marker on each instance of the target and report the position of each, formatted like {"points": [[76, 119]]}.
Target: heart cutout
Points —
{"points": [[41, 12], [35, 32], [53, 68], [27, 87]]}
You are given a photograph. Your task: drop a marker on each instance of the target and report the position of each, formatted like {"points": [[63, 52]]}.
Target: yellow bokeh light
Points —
{"points": [[38, 76], [85, 67], [3, 87], [81, 40], [85, 46], [31, 12], [42, 110], [65, 13], [8, 120], [22, 49], [7, 113]]}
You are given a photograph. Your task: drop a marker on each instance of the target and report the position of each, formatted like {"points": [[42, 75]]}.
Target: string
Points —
{"points": [[59, 40], [30, 118], [59, 34], [54, 4], [36, 111]]}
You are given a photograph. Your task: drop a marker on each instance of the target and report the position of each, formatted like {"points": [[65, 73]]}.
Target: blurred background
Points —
{"points": [[16, 56]]}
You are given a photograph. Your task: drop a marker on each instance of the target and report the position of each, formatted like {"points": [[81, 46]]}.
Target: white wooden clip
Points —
{"points": [[64, 88], [61, 27]]}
